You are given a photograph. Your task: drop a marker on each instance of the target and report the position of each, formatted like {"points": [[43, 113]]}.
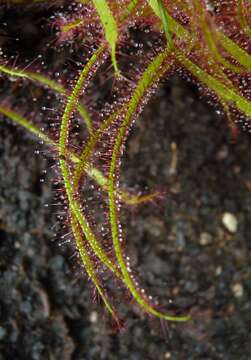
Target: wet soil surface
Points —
{"points": [[191, 249]]}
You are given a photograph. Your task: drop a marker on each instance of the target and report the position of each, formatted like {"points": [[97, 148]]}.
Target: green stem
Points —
{"points": [[149, 78]]}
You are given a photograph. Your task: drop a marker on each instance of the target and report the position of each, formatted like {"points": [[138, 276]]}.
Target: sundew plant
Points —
{"points": [[132, 45]]}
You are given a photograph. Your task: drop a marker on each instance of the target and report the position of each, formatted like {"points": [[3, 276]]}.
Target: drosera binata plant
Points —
{"points": [[206, 41]]}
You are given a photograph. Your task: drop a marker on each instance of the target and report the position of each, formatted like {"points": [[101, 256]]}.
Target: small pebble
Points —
{"points": [[168, 355], [93, 317], [222, 154], [17, 245], [205, 239], [238, 290], [230, 222], [218, 271]]}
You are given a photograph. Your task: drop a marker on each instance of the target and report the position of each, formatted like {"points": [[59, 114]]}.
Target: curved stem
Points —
{"points": [[150, 77]]}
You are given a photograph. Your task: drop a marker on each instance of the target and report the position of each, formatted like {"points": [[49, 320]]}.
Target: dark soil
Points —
{"points": [[182, 252]]}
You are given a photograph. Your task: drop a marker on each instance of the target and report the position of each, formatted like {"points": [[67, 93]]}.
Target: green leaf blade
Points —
{"points": [[110, 28], [160, 10]]}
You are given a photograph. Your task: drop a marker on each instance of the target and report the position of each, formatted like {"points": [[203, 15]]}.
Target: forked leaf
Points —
{"points": [[74, 206], [110, 28], [50, 83], [92, 172], [90, 267]]}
